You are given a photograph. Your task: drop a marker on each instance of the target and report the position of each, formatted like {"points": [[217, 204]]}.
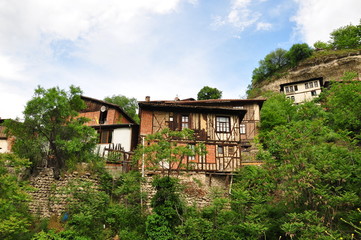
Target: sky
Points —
{"points": [[158, 48]]}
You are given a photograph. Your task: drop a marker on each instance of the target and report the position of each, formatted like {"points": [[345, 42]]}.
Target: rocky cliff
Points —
{"points": [[329, 67]]}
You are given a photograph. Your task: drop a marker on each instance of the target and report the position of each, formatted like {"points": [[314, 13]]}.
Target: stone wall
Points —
{"points": [[50, 196], [197, 189]]}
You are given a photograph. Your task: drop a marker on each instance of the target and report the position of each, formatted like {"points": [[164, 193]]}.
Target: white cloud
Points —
{"points": [[75, 42], [316, 19], [242, 14], [264, 26], [10, 69]]}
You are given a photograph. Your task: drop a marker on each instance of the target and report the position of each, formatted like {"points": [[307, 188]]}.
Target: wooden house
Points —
{"points": [[226, 127], [114, 126]]}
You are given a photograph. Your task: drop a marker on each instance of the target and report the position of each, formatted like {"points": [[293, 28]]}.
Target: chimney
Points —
{"points": [[147, 98]]}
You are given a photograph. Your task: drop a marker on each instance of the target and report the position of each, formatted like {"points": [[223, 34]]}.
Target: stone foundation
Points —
{"points": [[197, 189], [50, 196]]}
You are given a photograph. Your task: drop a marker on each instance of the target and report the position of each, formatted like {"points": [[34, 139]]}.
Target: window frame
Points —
{"points": [[223, 126], [242, 128], [220, 150], [103, 117], [185, 124], [193, 148], [106, 134]]}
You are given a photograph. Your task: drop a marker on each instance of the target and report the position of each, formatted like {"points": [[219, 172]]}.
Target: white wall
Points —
{"points": [[124, 137], [3, 146], [303, 94]]}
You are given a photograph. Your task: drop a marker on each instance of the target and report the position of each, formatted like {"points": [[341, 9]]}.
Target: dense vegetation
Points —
{"points": [[307, 188], [276, 63]]}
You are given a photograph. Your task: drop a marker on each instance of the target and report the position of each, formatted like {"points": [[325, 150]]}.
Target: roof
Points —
{"points": [[111, 105], [210, 102], [191, 108]]}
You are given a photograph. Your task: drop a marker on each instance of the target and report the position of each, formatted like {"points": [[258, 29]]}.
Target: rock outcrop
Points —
{"points": [[330, 68]]}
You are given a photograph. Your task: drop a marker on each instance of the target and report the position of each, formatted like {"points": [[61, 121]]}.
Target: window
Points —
{"points": [[222, 124], [193, 148], [293, 98], [171, 123], [291, 88], [306, 85], [242, 128], [103, 117], [287, 90], [316, 84], [296, 88], [310, 84], [105, 136], [220, 149], [231, 151], [185, 121], [313, 93]]}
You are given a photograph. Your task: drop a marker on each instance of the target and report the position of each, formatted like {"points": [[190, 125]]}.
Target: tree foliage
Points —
{"points": [[298, 52], [273, 62], [129, 105], [308, 186], [347, 37], [207, 93], [341, 100], [52, 134], [15, 219]]}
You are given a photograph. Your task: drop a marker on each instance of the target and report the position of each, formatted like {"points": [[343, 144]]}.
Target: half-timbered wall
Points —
{"points": [[204, 125], [250, 121], [223, 149]]}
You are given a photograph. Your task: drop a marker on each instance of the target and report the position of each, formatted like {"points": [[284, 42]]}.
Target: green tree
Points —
{"points": [[52, 134], [276, 60], [261, 73], [277, 110], [342, 102], [298, 52], [129, 105], [207, 93], [165, 152], [322, 45], [273, 62], [347, 37], [15, 219]]}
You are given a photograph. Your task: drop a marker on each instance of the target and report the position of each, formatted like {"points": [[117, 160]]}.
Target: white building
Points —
{"points": [[302, 91]]}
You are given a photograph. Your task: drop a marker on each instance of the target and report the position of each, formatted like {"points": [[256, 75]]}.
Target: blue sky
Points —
{"points": [[160, 48]]}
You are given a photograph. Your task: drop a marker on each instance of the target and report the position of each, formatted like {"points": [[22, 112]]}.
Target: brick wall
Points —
{"points": [[211, 153], [93, 116], [146, 123]]}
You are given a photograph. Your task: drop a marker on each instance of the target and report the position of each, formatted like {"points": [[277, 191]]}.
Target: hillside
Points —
{"points": [[328, 66]]}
